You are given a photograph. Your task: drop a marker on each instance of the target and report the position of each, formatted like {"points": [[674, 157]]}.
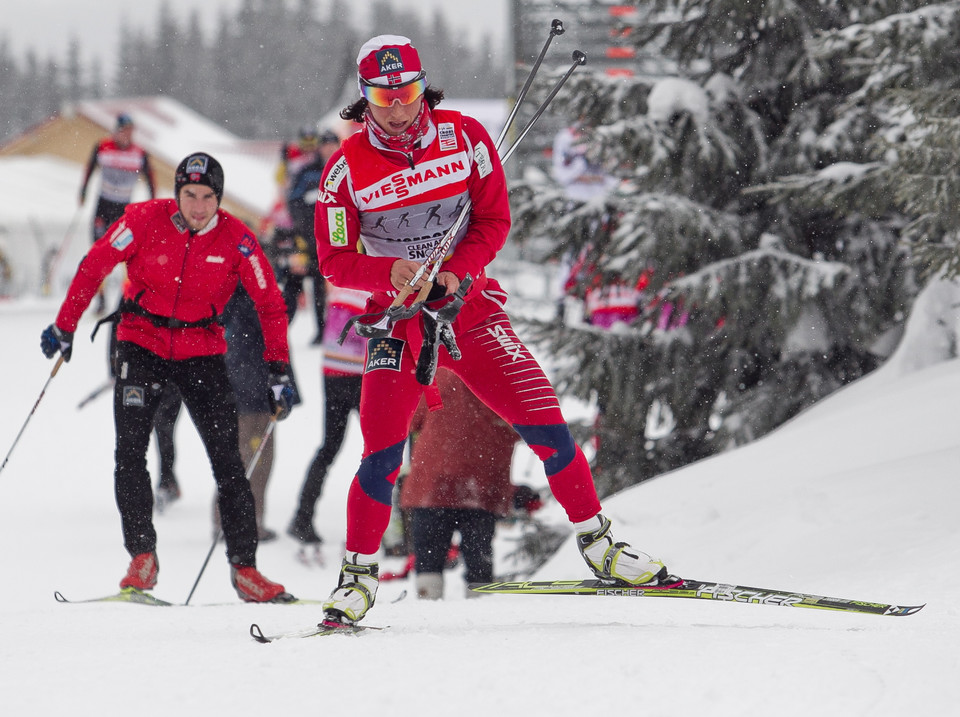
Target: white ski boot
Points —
{"points": [[356, 591], [613, 562]]}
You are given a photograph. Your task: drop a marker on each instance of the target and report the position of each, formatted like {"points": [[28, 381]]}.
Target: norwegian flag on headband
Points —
{"points": [[388, 60]]}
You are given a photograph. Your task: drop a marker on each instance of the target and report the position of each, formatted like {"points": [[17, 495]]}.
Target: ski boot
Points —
{"points": [[142, 573], [356, 591], [617, 563], [252, 586]]}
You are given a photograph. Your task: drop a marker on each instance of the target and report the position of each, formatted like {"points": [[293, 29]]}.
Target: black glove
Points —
{"points": [[526, 499], [280, 392], [53, 339]]}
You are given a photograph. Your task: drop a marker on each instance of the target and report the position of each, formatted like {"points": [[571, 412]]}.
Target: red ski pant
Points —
{"points": [[503, 374]]}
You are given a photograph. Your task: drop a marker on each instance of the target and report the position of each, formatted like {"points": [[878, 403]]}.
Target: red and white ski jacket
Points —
{"points": [[120, 167], [374, 208], [173, 274]]}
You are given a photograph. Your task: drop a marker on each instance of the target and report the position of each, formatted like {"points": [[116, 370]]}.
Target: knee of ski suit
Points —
{"points": [[554, 445]]}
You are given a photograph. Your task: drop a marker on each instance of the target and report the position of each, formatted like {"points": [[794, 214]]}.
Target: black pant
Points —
{"points": [[341, 394], [433, 530], [164, 419], [164, 427], [293, 286], [205, 389], [107, 213]]}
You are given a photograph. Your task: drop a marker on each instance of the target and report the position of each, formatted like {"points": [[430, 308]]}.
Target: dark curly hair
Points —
{"points": [[355, 112]]}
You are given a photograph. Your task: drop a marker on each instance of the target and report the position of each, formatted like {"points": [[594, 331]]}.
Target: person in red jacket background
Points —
{"points": [[389, 195], [459, 480], [184, 258]]}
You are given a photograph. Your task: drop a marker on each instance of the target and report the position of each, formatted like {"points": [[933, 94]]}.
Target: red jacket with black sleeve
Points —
{"points": [[177, 277]]}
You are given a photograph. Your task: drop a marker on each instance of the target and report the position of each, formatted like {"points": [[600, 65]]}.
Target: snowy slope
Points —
{"points": [[855, 498]]}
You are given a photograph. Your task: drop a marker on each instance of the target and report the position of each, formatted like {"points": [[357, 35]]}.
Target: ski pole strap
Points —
{"points": [[436, 325]]}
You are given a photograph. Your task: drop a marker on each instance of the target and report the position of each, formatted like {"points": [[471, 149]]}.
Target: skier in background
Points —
{"points": [[411, 163], [121, 164], [184, 258]]}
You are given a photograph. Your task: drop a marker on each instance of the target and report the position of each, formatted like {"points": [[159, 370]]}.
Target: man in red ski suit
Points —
{"points": [[184, 258], [386, 198]]}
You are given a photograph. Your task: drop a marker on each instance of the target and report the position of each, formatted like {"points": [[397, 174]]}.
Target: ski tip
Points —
{"points": [[59, 597], [257, 634], [900, 611]]}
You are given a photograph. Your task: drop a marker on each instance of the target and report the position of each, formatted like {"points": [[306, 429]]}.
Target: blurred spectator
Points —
{"points": [[301, 259], [580, 178], [248, 374], [459, 481], [342, 374]]}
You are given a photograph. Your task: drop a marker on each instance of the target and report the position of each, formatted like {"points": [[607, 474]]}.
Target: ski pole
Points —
{"points": [[579, 58], [58, 255], [250, 468], [56, 367], [556, 28], [96, 393], [436, 256], [397, 311]]}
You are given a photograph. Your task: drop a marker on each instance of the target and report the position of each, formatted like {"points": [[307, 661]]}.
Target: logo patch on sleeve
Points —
{"points": [[384, 354], [122, 238], [337, 224], [481, 157], [247, 245], [336, 175]]}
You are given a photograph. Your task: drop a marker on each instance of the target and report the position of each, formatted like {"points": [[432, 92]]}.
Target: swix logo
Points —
{"points": [[509, 344], [325, 198], [412, 182]]}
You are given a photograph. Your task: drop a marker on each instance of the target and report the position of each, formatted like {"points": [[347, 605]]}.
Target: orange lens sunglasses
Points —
{"points": [[381, 96]]}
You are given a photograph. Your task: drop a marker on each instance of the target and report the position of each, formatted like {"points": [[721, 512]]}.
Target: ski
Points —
{"points": [[320, 630], [697, 589], [126, 595], [141, 598]]}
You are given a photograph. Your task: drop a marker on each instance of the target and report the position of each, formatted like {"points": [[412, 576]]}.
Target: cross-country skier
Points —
{"points": [[121, 164], [409, 157], [184, 258]]}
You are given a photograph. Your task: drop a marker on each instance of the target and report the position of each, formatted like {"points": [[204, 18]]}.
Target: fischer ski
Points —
{"points": [[141, 598], [320, 630], [126, 595], [696, 589]]}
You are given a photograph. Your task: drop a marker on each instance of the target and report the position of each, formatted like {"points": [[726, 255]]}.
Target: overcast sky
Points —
{"points": [[46, 26]]}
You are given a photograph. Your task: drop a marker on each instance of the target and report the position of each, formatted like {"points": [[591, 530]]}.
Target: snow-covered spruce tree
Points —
{"points": [[791, 291]]}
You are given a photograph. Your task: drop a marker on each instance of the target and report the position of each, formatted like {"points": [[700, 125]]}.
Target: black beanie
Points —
{"points": [[199, 168]]}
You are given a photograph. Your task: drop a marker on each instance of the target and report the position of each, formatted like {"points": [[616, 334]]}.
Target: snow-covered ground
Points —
{"points": [[857, 498]]}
